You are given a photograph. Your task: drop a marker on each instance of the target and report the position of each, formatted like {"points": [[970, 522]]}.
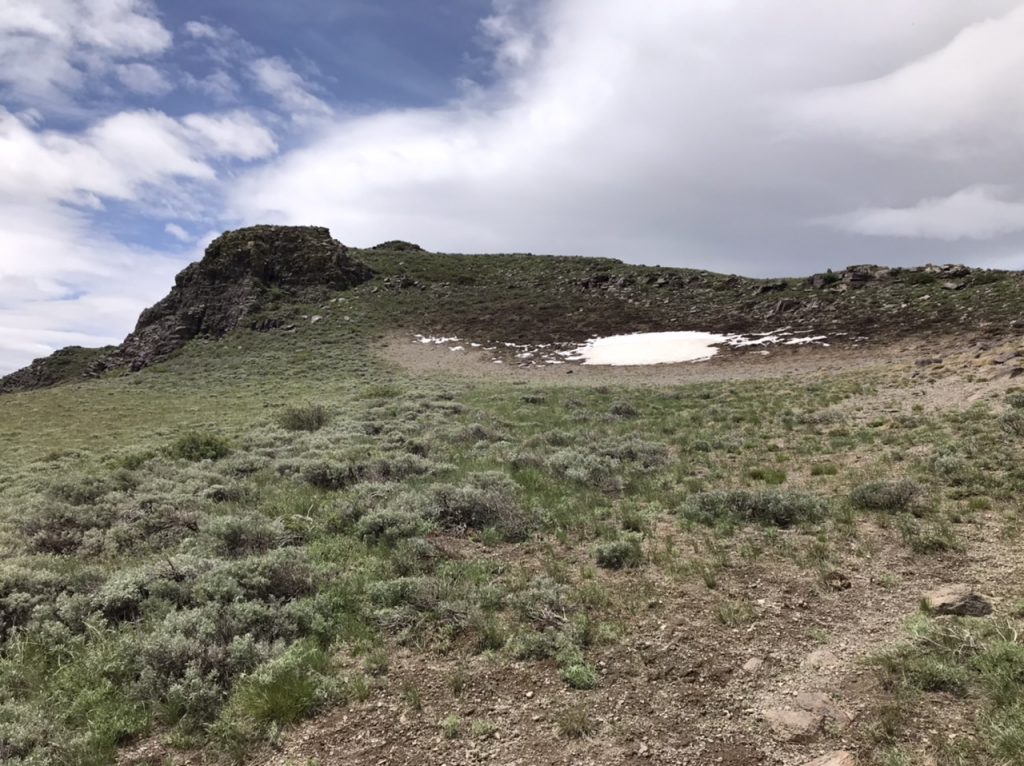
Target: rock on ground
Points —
{"points": [[960, 600]]}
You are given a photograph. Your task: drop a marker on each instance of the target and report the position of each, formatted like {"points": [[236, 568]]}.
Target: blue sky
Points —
{"points": [[762, 137]]}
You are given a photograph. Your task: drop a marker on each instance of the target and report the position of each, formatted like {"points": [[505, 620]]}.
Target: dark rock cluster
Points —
{"points": [[69, 363], [230, 285], [399, 246], [949, 276], [227, 289]]}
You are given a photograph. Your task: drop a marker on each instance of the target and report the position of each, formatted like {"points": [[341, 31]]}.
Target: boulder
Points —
{"points": [[960, 600]]}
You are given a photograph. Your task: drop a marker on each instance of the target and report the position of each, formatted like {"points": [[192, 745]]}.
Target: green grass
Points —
{"points": [[964, 659], [253, 531]]}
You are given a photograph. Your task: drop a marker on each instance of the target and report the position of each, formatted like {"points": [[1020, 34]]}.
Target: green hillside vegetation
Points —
{"points": [[262, 528]]}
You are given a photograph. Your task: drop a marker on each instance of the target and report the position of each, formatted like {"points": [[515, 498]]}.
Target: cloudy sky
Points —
{"points": [[763, 137]]}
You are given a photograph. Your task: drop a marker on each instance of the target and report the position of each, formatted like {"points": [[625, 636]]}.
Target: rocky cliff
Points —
{"points": [[222, 292]]}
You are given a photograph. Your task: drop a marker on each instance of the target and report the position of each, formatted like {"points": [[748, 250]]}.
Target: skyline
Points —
{"points": [[761, 137]]}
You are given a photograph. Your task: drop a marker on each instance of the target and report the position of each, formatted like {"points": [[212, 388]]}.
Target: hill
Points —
{"points": [[337, 505]]}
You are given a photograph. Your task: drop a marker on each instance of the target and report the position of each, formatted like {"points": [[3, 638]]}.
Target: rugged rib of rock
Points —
{"points": [[67, 364], [229, 285], [227, 289]]}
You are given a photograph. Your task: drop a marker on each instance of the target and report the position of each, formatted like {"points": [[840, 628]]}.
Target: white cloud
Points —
{"points": [[677, 135], [63, 281], [975, 213], [77, 287], [276, 78], [511, 34], [218, 85], [144, 79], [950, 97], [199, 30], [234, 134], [121, 154], [178, 232], [48, 46]]}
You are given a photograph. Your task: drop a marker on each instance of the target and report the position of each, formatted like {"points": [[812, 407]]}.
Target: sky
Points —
{"points": [[760, 137]]}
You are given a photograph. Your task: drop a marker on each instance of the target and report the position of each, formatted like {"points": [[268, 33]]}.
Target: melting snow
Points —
{"points": [[638, 348], [674, 347]]}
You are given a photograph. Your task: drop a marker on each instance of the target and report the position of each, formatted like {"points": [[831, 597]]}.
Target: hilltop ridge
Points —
{"points": [[252, 279]]}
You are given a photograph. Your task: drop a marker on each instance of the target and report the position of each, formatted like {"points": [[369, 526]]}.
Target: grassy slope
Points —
{"points": [[213, 601]]}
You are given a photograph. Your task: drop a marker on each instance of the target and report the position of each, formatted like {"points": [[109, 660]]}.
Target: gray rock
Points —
{"points": [[230, 284], [821, 658], [960, 600], [793, 725], [821, 704], [753, 665]]}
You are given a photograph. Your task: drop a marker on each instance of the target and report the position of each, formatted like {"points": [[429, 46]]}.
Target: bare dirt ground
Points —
{"points": [[948, 372], [682, 687]]}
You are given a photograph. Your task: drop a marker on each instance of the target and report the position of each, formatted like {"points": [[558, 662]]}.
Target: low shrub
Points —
{"points": [[330, 474], [304, 417], [62, 529], [1012, 422], [647, 454], [584, 467], [625, 553], [199, 445], [580, 676], [891, 496], [824, 469], [488, 501], [623, 409], [575, 722], [389, 526], [773, 507], [84, 489], [245, 535], [279, 692], [768, 475]]}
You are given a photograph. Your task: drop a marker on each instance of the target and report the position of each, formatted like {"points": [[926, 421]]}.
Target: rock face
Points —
{"points": [[61, 366], [227, 289], [230, 284]]}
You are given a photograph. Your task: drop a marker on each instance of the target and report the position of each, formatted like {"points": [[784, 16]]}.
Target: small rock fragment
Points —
{"points": [[821, 658], [821, 704], [836, 580], [752, 665]]}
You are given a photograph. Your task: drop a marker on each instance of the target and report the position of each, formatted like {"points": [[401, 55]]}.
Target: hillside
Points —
{"points": [[345, 506]]}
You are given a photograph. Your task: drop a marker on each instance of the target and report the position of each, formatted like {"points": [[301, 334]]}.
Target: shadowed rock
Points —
{"points": [[230, 284], [228, 289], [61, 366]]}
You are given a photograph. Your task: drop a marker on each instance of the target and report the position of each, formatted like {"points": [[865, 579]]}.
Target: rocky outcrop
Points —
{"points": [[399, 246], [231, 284], [228, 289], [67, 364], [951, 276]]}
